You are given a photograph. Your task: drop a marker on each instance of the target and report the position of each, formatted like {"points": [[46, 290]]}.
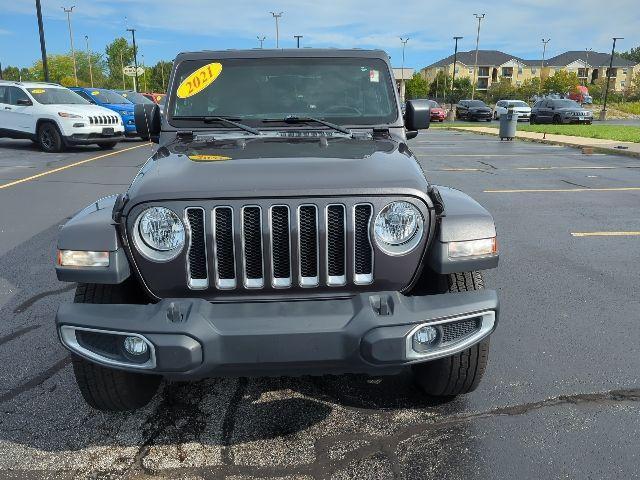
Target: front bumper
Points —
{"points": [[367, 333], [480, 115], [92, 138], [576, 119]]}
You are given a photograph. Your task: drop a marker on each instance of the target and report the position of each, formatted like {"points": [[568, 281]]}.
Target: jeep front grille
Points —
{"points": [[104, 120], [279, 247]]}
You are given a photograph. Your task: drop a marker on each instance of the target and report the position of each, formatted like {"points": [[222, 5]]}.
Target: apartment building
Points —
{"points": [[494, 66]]}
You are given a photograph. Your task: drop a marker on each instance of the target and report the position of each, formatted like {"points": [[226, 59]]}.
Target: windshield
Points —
{"points": [[516, 103], [135, 97], [476, 103], [56, 96], [339, 90], [566, 104], [107, 96], [434, 104]]}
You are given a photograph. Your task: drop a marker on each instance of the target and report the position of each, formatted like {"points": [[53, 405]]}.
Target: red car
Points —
{"points": [[154, 97], [438, 114]]}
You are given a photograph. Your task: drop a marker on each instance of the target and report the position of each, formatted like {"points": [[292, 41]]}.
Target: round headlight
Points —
{"points": [[159, 233], [398, 228]]}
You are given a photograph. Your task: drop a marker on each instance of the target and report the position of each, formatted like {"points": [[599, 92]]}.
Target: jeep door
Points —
{"points": [[22, 110], [13, 117]]}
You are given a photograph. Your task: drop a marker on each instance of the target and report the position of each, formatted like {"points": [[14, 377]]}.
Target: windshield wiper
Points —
{"points": [[294, 119], [226, 120]]}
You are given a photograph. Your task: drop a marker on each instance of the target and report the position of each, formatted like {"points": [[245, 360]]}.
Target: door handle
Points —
{"points": [[7, 108]]}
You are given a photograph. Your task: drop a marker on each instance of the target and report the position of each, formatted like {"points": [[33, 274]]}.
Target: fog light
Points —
{"points": [[135, 345], [425, 338]]}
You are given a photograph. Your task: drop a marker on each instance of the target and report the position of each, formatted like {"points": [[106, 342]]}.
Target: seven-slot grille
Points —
{"points": [[104, 120], [281, 246]]}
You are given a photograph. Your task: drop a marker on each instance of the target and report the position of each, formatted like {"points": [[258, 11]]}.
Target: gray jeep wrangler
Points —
{"points": [[282, 227]]}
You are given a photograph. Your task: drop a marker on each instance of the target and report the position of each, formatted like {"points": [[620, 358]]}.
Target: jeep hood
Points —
{"points": [[279, 167]]}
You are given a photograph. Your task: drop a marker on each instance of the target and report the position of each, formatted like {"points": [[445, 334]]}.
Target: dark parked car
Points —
{"points": [[281, 228], [473, 110], [563, 110]]}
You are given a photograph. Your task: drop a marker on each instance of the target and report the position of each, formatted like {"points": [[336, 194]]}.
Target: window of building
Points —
{"points": [[582, 73], [624, 71], [483, 83], [519, 70], [507, 71], [534, 71], [483, 71]]}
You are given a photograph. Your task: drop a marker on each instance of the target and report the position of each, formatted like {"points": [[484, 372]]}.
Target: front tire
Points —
{"points": [[49, 138], [459, 373], [105, 388]]}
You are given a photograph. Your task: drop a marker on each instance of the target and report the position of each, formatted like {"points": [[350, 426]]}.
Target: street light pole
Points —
{"points": [[277, 17], [544, 50], [402, 82], [73, 53], [586, 66], [603, 113], [144, 74], [124, 85], [86, 37], [453, 80], [43, 48], [135, 58], [479, 16], [261, 40], [297, 37]]}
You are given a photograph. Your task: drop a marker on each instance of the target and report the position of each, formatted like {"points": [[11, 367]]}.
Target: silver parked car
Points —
{"points": [[518, 106]]}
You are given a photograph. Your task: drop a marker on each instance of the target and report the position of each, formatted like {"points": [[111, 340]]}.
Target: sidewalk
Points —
{"points": [[598, 145]]}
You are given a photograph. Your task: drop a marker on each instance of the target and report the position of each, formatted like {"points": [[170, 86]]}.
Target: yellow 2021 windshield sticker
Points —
{"points": [[208, 158], [37, 91], [199, 80]]}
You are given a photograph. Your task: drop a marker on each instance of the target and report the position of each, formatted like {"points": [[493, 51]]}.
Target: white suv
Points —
{"points": [[55, 117]]}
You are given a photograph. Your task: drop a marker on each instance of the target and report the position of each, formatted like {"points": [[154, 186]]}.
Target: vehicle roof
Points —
{"points": [[31, 84], [284, 53], [92, 88]]}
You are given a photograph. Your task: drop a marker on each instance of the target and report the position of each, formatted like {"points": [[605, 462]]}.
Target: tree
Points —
{"points": [[440, 86], [502, 90], [633, 90], [158, 76], [561, 82], [61, 69], [11, 73], [119, 55], [529, 88], [462, 88], [416, 87], [633, 55]]}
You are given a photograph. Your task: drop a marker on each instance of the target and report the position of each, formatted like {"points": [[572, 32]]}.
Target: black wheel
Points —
{"points": [[145, 138], [49, 138], [557, 120], [105, 388], [459, 373], [495, 115], [107, 146]]}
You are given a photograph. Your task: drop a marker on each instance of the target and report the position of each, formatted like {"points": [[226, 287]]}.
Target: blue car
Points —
{"points": [[113, 101]]}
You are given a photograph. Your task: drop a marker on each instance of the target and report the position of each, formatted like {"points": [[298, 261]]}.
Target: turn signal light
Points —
{"points": [[473, 248], [81, 258]]}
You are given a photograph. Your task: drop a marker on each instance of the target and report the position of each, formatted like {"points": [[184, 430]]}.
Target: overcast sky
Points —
{"points": [[166, 27]]}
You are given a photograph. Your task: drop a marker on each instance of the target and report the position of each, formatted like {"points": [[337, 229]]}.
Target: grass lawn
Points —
{"points": [[622, 133]]}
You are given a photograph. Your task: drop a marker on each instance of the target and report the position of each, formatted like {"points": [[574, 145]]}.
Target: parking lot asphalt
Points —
{"points": [[560, 398]]}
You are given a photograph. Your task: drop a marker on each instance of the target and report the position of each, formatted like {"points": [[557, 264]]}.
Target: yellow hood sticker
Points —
{"points": [[208, 158], [199, 80]]}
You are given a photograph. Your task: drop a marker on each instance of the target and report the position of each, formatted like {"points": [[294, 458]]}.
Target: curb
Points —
{"points": [[611, 151]]}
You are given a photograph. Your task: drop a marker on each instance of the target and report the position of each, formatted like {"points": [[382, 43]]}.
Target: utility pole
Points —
{"points": [[402, 83], [73, 53], [586, 66], [544, 50], [297, 37], [43, 48], [124, 85], [144, 74], [479, 16], [86, 37], [603, 113], [135, 58], [453, 80], [261, 40], [277, 17]]}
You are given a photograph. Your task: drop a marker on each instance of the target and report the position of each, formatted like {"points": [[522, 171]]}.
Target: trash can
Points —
{"points": [[508, 124]]}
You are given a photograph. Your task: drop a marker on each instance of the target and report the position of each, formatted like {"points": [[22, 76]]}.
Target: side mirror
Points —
{"points": [[418, 115], [24, 102], [147, 118]]}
